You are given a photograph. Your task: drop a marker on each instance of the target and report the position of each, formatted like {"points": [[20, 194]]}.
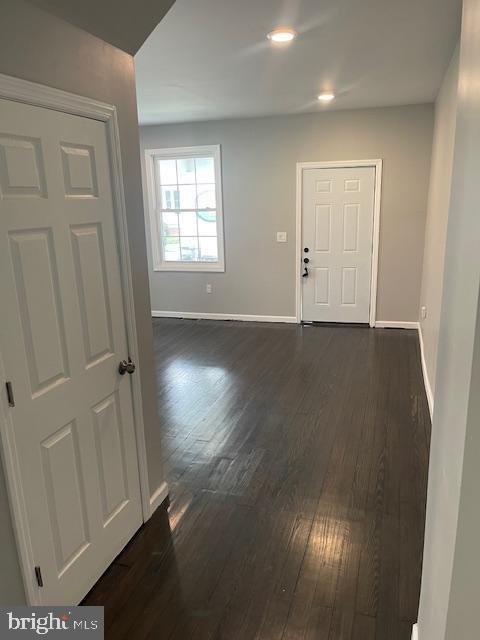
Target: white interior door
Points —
{"points": [[337, 230], [62, 335]]}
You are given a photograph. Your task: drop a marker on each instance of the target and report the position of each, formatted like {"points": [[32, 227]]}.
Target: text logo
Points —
{"points": [[60, 622]]}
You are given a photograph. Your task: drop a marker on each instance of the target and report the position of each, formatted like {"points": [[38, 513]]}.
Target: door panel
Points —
{"points": [[323, 225], [66, 498], [350, 227], [322, 285], [110, 449], [79, 171], [22, 171], [337, 230], [35, 271], [61, 337], [91, 281], [349, 285]]}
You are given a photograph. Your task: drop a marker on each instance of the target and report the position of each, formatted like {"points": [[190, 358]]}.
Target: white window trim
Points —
{"points": [[155, 236]]}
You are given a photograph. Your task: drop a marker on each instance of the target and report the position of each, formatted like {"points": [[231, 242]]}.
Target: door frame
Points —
{"points": [[17, 90], [342, 164]]}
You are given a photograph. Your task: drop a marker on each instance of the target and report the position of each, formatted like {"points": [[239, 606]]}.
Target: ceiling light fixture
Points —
{"points": [[326, 97], [282, 35]]}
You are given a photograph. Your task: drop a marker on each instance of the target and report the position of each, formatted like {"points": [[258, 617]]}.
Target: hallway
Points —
{"points": [[297, 465]]}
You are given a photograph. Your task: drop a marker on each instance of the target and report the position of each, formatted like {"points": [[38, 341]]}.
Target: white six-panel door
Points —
{"points": [[337, 229], [62, 335]]}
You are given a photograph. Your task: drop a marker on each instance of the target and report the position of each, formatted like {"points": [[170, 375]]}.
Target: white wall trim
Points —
{"points": [[396, 324], [377, 164], [159, 263], [198, 315], [415, 635], [426, 378], [157, 497], [38, 95]]}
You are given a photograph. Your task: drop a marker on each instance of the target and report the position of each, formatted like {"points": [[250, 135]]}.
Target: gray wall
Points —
{"points": [[451, 574], [258, 161], [36, 46], [11, 582], [437, 215], [124, 24]]}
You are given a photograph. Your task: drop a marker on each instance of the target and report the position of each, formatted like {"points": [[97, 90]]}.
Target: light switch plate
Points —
{"points": [[281, 236]]}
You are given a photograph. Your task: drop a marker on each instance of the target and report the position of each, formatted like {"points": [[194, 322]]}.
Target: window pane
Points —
{"points": [[171, 249], [188, 224], [206, 196], [189, 247], [168, 172], [170, 224], [186, 171], [205, 170], [170, 198], [187, 196], [208, 249], [207, 223], [186, 206]]}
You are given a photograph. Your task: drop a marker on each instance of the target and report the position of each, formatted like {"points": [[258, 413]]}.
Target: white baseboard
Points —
{"points": [[193, 315], [415, 632], [199, 315], [426, 379], [395, 324], [158, 497]]}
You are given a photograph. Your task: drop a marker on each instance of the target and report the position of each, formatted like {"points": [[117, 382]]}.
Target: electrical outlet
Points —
{"points": [[423, 312], [209, 288], [281, 236]]}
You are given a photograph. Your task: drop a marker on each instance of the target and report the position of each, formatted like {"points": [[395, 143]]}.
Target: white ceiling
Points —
{"points": [[209, 59]]}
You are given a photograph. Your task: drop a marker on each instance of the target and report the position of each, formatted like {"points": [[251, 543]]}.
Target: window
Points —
{"points": [[185, 200]]}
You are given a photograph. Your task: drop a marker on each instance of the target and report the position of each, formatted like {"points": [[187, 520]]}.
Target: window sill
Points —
{"points": [[192, 268]]}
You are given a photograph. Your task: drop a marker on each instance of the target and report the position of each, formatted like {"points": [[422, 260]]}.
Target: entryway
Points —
{"points": [[337, 228]]}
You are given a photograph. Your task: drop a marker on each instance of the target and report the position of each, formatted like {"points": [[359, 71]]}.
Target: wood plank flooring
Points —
{"points": [[297, 465]]}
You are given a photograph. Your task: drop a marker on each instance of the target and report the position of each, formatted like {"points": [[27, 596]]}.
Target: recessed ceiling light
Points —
{"points": [[326, 97], [282, 35]]}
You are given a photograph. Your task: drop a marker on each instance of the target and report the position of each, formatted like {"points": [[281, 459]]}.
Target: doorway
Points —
{"points": [[338, 208], [71, 432]]}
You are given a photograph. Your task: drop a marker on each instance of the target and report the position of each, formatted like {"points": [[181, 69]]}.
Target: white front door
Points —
{"points": [[62, 335], [337, 229]]}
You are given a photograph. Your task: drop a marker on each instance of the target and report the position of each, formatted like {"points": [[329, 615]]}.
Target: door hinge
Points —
{"points": [[38, 575], [10, 396]]}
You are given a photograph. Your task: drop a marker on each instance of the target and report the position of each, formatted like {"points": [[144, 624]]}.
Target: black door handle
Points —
{"points": [[305, 273], [126, 366]]}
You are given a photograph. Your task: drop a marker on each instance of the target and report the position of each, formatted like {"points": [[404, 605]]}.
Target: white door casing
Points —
{"points": [[62, 335], [338, 208]]}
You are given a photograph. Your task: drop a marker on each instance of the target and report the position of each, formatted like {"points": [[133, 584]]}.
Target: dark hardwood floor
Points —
{"points": [[297, 465]]}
